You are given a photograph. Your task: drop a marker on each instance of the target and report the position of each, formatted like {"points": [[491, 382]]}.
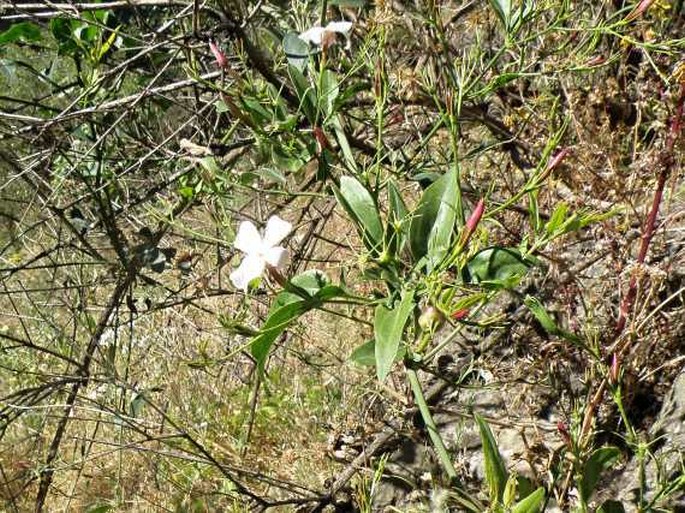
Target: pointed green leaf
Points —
{"points": [[395, 235], [388, 328], [600, 460], [365, 354], [443, 227], [305, 93], [432, 223], [541, 315], [495, 471], [328, 93], [557, 218], [547, 322], [398, 208], [361, 207], [503, 10], [276, 324], [24, 31], [345, 148], [532, 503], [497, 266]]}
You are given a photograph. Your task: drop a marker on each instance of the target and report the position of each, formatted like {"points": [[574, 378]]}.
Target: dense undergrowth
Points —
{"points": [[236, 237]]}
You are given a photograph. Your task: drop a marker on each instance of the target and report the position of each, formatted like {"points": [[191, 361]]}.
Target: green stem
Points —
{"points": [[435, 437]]}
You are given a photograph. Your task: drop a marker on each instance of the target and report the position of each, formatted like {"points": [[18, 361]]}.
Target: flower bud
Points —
{"points": [[473, 221], [460, 314], [562, 428], [614, 370], [219, 56], [431, 319]]}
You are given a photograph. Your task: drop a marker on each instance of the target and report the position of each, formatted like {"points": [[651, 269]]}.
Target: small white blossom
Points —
{"points": [[261, 252], [316, 34]]}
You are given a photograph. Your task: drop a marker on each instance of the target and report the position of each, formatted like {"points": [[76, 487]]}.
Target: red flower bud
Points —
{"points": [[563, 431], [460, 314]]}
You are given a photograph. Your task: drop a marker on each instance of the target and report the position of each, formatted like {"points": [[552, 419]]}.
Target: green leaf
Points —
{"points": [[443, 227], [611, 507], [503, 10], [432, 224], [398, 209], [62, 30], [100, 53], [497, 266], [296, 50], [495, 471], [303, 292], [510, 489], [396, 227], [361, 207], [388, 327], [556, 220], [532, 503], [541, 315], [546, 320], [365, 354], [275, 324], [305, 93], [328, 93], [524, 486], [24, 31], [600, 460], [345, 148]]}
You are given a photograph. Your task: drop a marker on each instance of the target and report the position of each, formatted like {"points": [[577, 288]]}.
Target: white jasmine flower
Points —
{"points": [[317, 34], [261, 252]]}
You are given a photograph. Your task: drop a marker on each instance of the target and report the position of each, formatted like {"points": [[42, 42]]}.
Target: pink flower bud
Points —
{"points": [[615, 370], [477, 213], [220, 57], [473, 221], [556, 160]]}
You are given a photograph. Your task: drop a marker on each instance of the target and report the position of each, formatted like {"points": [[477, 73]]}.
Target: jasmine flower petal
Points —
{"points": [[341, 27], [276, 230], [313, 35], [276, 257], [248, 239], [250, 268]]}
